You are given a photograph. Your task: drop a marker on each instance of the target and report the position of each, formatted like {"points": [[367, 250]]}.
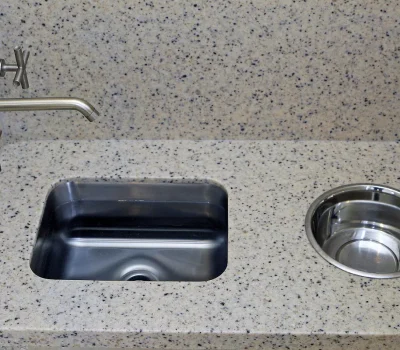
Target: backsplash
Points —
{"points": [[208, 69]]}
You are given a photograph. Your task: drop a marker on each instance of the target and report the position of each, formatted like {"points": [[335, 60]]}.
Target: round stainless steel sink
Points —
{"points": [[357, 228]]}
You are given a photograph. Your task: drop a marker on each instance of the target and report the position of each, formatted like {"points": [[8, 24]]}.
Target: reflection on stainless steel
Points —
{"points": [[357, 228], [133, 231], [49, 103]]}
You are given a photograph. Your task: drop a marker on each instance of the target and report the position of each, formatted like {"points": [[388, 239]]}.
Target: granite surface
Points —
{"points": [[216, 69], [276, 291]]}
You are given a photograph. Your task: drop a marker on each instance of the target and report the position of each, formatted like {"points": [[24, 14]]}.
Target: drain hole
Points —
{"points": [[139, 275], [139, 278]]}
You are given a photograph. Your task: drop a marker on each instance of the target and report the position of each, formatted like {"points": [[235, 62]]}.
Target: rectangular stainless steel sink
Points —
{"points": [[133, 231]]}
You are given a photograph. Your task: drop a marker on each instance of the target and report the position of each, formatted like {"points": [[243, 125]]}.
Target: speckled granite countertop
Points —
{"points": [[276, 292], [209, 69]]}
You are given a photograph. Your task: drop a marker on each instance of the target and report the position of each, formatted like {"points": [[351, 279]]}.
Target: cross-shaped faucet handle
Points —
{"points": [[21, 77]]}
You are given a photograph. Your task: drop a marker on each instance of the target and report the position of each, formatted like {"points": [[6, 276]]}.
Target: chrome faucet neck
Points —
{"points": [[49, 104]]}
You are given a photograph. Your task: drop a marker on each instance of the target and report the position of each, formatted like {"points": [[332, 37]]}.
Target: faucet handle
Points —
{"points": [[21, 77], [2, 70]]}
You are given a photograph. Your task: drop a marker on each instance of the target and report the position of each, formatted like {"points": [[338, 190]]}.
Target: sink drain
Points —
{"points": [[139, 276]]}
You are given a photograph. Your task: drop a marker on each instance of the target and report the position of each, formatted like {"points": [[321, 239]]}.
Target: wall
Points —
{"points": [[208, 69]]}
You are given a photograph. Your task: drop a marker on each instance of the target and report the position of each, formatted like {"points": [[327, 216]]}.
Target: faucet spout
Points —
{"points": [[49, 103]]}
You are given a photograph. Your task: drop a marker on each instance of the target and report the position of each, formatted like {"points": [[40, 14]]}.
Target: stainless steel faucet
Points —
{"points": [[48, 104], [38, 104], [20, 77]]}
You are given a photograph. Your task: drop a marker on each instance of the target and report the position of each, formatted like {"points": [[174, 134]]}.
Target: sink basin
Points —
{"points": [[127, 231]]}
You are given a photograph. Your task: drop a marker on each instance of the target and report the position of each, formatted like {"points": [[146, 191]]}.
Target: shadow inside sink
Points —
{"points": [[133, 231]]}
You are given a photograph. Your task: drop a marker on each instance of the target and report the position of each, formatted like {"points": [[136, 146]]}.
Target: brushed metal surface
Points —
{"points": [[357, 228], [49, 104], [132, 231]]}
